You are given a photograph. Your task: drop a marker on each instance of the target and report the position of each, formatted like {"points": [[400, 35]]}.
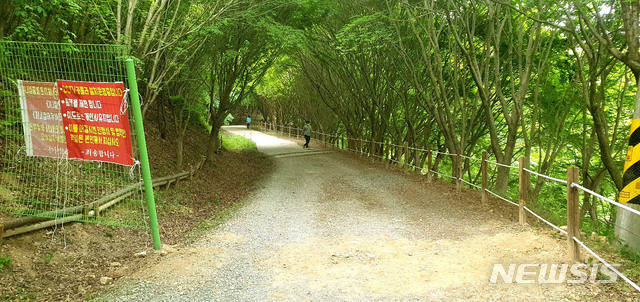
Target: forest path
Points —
{"points": [[331, 227]]}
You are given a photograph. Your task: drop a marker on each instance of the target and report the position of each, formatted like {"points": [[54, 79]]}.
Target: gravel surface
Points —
{"points": [[327, 226]]}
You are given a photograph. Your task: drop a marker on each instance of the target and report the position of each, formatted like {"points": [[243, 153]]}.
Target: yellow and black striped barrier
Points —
{"points": [[631, 177]]}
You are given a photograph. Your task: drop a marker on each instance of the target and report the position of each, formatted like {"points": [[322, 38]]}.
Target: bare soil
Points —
{"points": [[66, 263]]}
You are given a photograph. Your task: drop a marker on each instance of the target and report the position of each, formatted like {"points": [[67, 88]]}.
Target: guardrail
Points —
{"points": [[404, 154]]}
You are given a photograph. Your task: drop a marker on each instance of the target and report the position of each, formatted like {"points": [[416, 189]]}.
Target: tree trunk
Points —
{"points": [[214, 138], [179, 153], [502, 181], [214, 143]]}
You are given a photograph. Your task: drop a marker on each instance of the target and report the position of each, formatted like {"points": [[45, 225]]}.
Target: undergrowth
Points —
{"points": [[237, 143], [4, 261]]}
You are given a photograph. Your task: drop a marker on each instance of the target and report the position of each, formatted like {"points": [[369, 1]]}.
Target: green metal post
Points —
{"points": [[144, 158]]}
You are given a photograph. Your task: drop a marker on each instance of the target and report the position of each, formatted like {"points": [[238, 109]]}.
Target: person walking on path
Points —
{"points": [[307, 134], [248, 121]]}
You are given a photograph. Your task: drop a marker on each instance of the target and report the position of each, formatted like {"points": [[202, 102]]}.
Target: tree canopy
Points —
{"points": [[554, 81]]}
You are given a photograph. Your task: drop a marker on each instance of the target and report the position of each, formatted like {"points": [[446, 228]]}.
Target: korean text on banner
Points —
{"points": [[41, 119], [96, 121]]}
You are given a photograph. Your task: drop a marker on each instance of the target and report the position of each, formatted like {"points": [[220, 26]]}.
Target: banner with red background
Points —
{"points": [[96, 121]]}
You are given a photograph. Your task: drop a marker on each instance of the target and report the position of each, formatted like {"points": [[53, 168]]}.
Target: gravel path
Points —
{"points": [[329, 227]]}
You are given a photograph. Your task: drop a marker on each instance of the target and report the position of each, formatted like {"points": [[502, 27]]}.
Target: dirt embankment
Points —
{"points": [[68, 263]]}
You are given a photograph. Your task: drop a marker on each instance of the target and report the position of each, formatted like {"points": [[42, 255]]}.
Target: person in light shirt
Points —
{"points": [[307, 134]]}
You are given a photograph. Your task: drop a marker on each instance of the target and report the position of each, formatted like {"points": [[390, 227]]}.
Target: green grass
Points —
{"points": [[46, 259], [237, 143], [4, 261]]}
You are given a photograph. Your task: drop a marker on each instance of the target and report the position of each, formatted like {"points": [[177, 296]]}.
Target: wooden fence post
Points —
{"points": [[429, 164], [417, 160], [406, 156], [523, 177], [453, 168], [485, 177], [387, 153], [372, 150], [324, 139], [383, 151], [573, 212], [458, 170]]}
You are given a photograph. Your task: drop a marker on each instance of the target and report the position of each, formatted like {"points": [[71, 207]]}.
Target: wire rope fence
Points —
{"points": [[478, 174]]}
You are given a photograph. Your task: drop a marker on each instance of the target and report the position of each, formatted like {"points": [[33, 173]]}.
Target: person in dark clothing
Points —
{"points": [[307, 134], [248, 121]]}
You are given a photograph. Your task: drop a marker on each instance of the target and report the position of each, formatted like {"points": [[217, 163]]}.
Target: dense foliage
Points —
{"points": [[553, 81], [550, 81]]}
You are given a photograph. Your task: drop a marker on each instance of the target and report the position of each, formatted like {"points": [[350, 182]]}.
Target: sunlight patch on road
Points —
{"points": [[402, 266]]}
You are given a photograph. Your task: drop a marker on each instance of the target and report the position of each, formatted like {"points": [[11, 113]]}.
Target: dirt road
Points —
{"points": [[329, 227]]}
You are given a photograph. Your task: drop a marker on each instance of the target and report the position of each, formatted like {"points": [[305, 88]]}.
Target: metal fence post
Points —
{"points": [[144, 157]]}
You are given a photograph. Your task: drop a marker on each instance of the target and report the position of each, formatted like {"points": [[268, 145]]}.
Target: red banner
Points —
{"points": [[96, 121], [41, 119]]}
